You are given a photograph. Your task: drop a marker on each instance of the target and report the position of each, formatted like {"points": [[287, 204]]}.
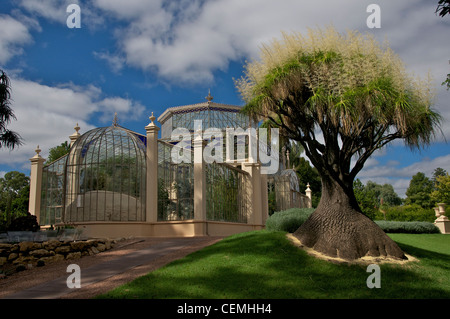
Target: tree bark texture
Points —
{"points": [[338, 228]]}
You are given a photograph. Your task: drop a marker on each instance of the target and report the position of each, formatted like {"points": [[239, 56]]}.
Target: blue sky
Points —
{"points": [[141, 56]]}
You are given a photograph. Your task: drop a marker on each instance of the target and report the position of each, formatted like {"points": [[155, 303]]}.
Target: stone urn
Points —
{"points": [[441, 207], [436, 212]]}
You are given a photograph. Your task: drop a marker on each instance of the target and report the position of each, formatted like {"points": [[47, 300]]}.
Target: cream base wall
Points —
{"points": [[190, 228]]}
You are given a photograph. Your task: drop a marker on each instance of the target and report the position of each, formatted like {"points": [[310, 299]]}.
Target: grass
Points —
{"points": [[265, 265]]}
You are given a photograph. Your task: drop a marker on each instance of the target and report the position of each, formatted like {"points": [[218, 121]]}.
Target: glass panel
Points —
{"points": [[175, 186], [52, 191], [226, 193]]}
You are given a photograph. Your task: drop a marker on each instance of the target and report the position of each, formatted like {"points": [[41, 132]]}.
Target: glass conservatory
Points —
{"points": [[118, 181]]}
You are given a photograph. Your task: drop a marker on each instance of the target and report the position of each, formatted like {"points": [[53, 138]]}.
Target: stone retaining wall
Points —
{"points": [[24, 255]]}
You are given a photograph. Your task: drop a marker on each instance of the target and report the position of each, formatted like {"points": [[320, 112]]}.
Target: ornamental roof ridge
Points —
{"points": [[163, 117]]}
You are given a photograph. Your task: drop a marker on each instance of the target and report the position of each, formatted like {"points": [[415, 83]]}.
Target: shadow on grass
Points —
{"points": [[265, 265]]}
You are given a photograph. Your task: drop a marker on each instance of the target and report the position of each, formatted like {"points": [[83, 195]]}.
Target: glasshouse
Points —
{"points": [[116, 182]]}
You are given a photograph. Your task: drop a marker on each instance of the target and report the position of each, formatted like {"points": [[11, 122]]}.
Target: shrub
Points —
{"points": [[289, 220], [407, 213], [24, 223], [407, 227]]}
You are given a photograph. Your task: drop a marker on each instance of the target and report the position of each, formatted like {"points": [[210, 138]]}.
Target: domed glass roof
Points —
{"points": [[105, 176]]}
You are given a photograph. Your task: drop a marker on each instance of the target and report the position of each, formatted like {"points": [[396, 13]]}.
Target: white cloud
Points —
{"points": [[399, 177], [46, 115], [116, 62], [54, 10], [13, 35]]}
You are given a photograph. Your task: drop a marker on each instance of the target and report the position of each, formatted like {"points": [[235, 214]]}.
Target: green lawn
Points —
{"points": [[264, 264]]}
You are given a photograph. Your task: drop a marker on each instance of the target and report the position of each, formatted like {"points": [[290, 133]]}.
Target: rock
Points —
{"points": [[75, 255], [5, 246], [52, 259], [94, 250], [15, 248], [21, 267], [51, 244], [24, 260], [13, 256], [28, 245], [3, 260], [40, 263], [93, 242], [108, 244], [63, 250], [101, 247], [41, 253], [80, 245]]}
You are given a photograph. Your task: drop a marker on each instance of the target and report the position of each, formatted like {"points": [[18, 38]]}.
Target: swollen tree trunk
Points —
{"points": [[338, 228]]}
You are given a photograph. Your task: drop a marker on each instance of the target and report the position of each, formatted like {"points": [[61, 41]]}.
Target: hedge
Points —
{"points": [[407, 213], [407, 227], [290, 220]]}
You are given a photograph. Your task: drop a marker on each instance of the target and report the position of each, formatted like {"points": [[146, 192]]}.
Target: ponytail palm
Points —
{"points": [[342, 97]]}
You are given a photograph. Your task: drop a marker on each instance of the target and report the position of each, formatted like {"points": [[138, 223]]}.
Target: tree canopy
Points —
{"points": [[442, 192], [443, 7], [14, 195], [419, 191], [58, 151], [347, 87]]}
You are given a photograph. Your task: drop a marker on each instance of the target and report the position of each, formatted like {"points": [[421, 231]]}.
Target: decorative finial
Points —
{"points": [[209, 98], [77, 128], [37, 150], [152, 118], [288, 160], [115, 120]]}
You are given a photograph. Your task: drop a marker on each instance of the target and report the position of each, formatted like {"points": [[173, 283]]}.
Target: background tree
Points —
{"points": [[436, 173], [14, 193], [57, 152], [8, 139], [442, 192], [374, 198], [366, 198], [385, 194], [419, 191], [357, 95]]}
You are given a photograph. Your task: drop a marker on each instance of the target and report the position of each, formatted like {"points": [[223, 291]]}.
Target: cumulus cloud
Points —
{"points": [[116, 62], [54, 10], [46, 115], [393, 173], [189, 40], [14, 35]]}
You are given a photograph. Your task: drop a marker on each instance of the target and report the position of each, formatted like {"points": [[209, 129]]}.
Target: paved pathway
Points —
{"points": [[99, 272]]}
